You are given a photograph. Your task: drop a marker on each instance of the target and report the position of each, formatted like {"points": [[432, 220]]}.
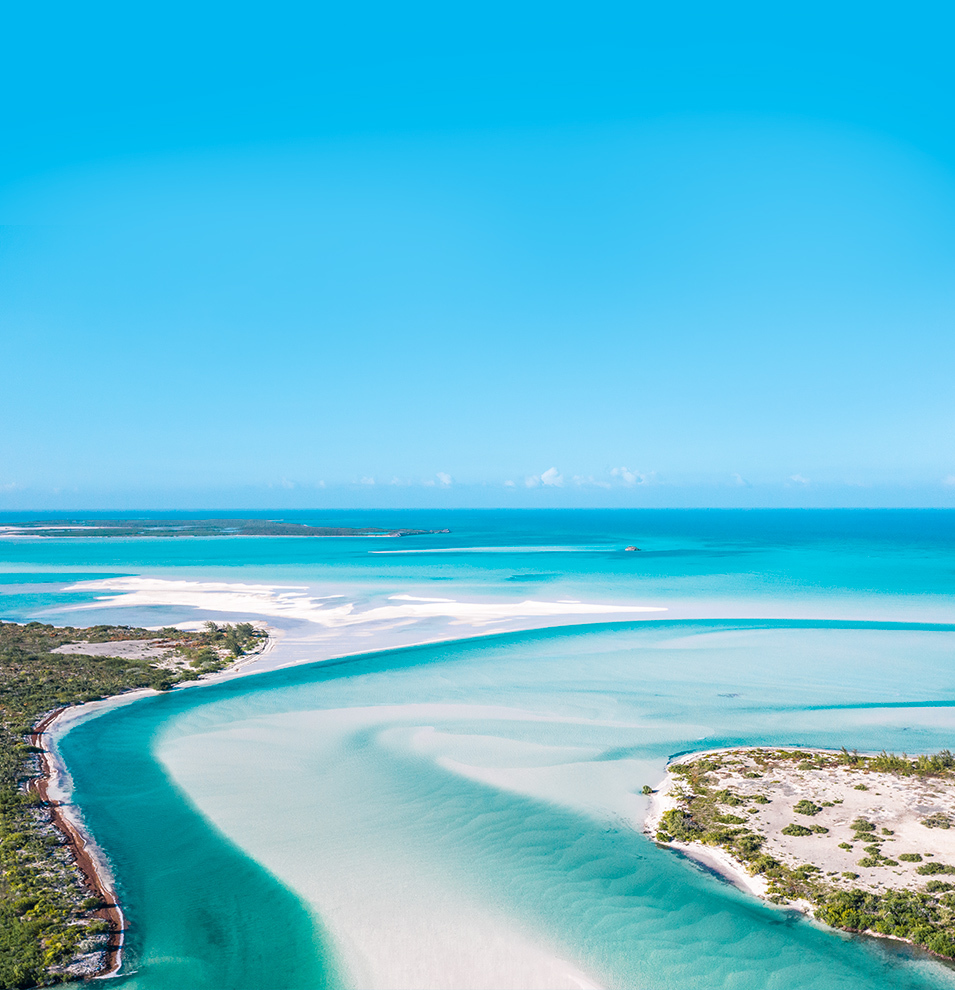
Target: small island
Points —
{"points": [[861, 843], [165, 528], [59, 919]]}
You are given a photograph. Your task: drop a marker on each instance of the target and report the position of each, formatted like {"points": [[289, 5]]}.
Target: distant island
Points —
{"points": [[74, 528], [862, 843]]}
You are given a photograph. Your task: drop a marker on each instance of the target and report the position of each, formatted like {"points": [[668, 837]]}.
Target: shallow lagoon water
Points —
{"points": [[472, 808], [467, 813]]}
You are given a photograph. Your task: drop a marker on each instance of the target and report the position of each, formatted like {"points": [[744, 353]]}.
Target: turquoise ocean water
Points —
{"points": [[471, 808]]}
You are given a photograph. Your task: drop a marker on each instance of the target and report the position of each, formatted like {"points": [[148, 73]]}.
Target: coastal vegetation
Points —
{"points": [[48, 917], [710, 813], [89, 528]]}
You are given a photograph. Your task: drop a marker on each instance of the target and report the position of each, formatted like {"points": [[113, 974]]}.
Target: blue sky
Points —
{"points": [[601, 254]]}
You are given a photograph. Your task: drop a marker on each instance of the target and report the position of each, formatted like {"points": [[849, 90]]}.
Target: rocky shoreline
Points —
{"points": [[106, 959]]}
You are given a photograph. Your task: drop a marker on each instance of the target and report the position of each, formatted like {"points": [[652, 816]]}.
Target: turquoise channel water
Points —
{"points": [[472, 808]]}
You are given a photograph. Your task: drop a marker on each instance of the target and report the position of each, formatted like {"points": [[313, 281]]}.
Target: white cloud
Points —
{"points": [[799, 479], [444, 478], [509, 484], [532, 480], [740, 481], [367, 481], [627, 477], [950, 481], [553, 478]]}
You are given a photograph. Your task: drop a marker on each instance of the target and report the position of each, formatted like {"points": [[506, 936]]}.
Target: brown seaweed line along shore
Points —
{"points": [[111, 912]]}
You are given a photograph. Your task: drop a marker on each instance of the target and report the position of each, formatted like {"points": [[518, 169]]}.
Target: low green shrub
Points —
{"points": [[795, 829], [930, 869]]}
